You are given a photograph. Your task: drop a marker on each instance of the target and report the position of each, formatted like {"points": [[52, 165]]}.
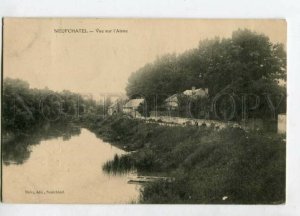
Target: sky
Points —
{"points": [[95, 63]]}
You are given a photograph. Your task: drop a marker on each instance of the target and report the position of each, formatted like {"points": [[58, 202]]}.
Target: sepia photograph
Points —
{"points": [[144, 111]]}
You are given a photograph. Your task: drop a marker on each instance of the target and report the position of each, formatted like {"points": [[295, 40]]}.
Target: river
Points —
{"points": [[63, 167]]}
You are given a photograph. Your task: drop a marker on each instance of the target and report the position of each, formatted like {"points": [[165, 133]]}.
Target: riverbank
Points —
{"points": [[221, 166]]}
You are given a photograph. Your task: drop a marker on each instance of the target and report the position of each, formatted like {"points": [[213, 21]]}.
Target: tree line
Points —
{"points": [[24, 107], [246, 68]]}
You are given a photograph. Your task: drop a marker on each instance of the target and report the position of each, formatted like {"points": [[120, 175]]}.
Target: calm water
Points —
{"points": [[63, 167]]}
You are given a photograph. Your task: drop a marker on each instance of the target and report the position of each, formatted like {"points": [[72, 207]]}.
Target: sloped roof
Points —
{"points": [[196, 92], [172, 98], [113, 105], [134, 103]]}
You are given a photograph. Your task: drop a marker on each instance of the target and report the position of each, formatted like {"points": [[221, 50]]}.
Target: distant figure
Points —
{"points": [[196, 123]]}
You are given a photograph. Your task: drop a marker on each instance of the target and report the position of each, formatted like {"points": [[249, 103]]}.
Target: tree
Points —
{"points": [[247, 62], [25, 108]]}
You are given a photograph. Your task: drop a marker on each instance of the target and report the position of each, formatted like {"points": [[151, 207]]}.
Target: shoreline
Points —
{"points": [[206, 163]]}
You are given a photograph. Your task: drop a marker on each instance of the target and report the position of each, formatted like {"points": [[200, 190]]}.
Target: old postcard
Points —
{"points": [[155, 111]]}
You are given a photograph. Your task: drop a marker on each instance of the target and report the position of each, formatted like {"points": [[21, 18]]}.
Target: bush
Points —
{"points": [[208, 164]]}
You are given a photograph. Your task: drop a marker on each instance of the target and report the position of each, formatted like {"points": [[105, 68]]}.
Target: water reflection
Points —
{"points": [[119, 165], [64, 168], [17, 149]]}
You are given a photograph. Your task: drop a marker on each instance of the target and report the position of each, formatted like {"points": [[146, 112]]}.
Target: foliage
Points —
{"points": [[247, 62], [207, 164], [24, 107]]}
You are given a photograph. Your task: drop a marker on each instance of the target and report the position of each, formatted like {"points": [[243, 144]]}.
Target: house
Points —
{"points": [[117, 104], [172, 101], [196, 92], [281, 125], [113, 108], [131, 107]]}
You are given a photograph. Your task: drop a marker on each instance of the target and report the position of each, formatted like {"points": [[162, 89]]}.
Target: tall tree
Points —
{"points": [[247, 62]]}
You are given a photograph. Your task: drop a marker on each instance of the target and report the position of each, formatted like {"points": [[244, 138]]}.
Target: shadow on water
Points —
{"points": [[123, 164], [16, 148]]}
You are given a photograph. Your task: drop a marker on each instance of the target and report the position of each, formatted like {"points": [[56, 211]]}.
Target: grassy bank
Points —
{"points": [[209, 166]]}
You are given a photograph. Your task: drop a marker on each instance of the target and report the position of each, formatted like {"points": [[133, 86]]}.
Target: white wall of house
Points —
{"points": [[281, 127]]}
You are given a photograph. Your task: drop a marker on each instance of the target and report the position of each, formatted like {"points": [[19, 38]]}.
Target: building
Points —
{"points": [[196, 92], [117, 105], [281, 127], [172, 101], [113, 108], [131, 107]]}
